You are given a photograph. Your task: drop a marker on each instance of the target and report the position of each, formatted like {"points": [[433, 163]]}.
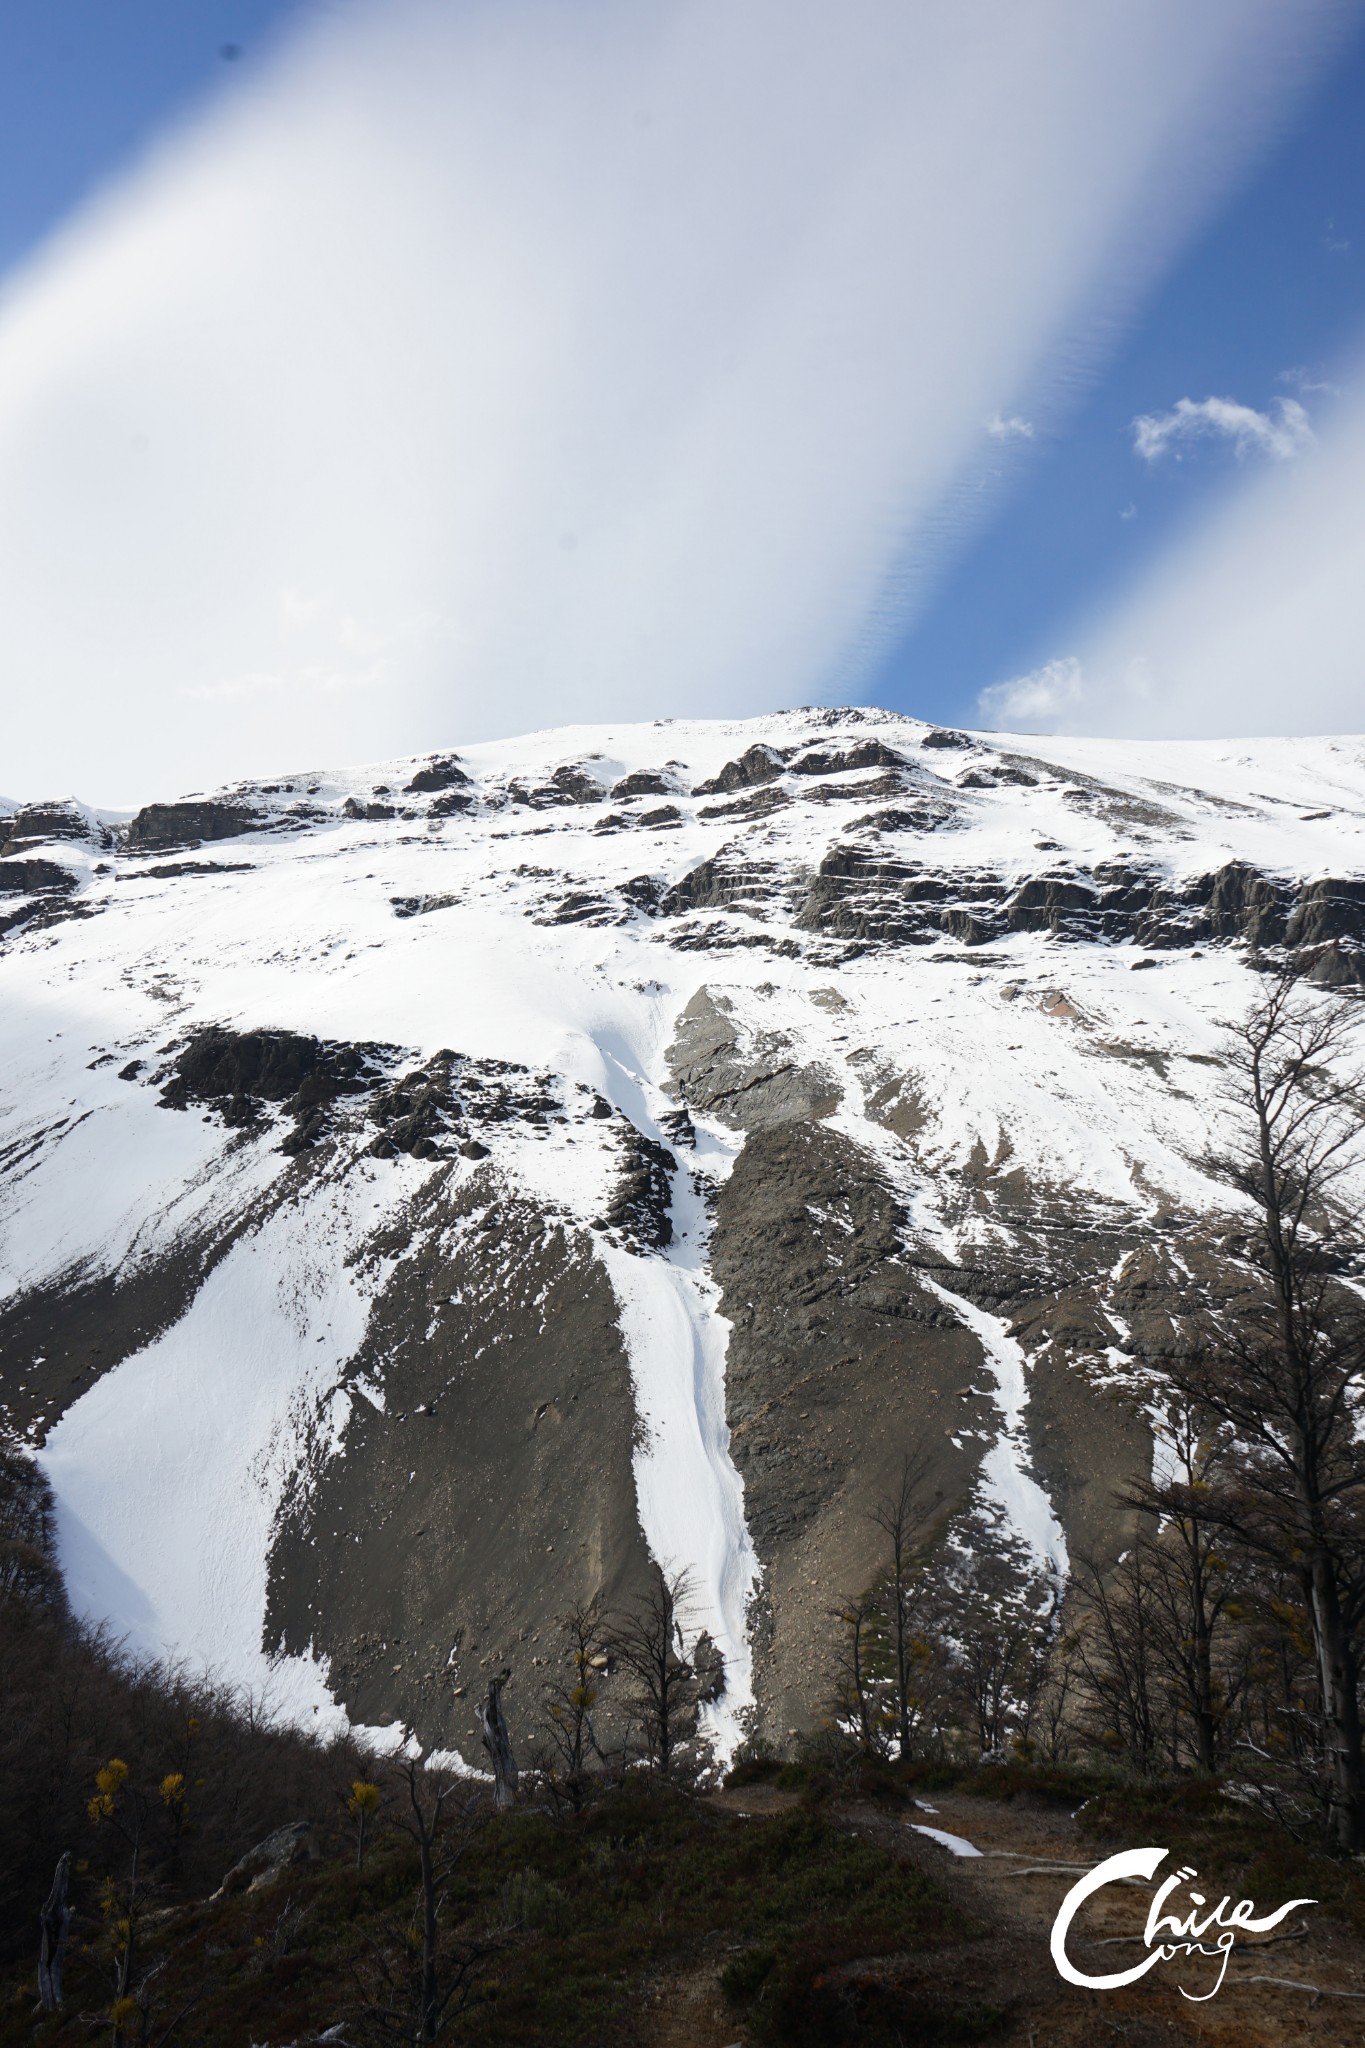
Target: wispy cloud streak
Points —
{"points": [[487, 365]]}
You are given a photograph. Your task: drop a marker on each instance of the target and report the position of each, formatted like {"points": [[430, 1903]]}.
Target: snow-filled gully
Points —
{"points": [[689, 1493], [1005, 1476]]}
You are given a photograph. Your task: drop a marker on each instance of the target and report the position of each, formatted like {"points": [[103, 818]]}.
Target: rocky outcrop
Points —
{"points": [[444, 772], [267, 1863], [757, 764], [640, 1208], [158, 828], [645, 782], [731, 879], [750, 1082], [844, 760], [237, 1072], [60, 818], [574, 783], [869, 895], [20, 877]]}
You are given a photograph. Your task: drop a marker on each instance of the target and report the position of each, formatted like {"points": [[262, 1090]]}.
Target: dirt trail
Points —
{"points": [[1021, 1898], [1010, 1891]]}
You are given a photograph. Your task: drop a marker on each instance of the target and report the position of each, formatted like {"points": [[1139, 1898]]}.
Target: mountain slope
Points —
{"points": [[428, 1191]]}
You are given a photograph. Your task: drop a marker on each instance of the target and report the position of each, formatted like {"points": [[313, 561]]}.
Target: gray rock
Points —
{"points": [[269, 1860], [159, 827], [751, 1086]]}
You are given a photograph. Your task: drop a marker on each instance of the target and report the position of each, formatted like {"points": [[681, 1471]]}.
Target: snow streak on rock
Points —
{"points": [[1007, 1482]]}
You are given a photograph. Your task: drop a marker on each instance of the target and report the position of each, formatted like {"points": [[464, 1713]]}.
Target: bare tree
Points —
{"points": [[1190, 1586], [1117, 1657], [1054, 1672], [649, 1643], [1284, 1368], [995, 1604], [571, 1739], [413, 1993], [899, 1514], [855, 1704]]}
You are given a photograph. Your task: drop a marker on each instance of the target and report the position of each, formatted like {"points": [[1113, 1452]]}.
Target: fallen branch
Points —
{"points": [[1046, 1863], [1297, 1984]]}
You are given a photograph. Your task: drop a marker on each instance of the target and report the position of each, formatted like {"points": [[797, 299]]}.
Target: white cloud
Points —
{"points": [[1282, 432], [724, 293], [1042, 701], [1303, 379], [1011, 429], [1255, 622]]}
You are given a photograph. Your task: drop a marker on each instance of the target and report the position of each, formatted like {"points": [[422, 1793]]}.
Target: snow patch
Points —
{"points": [[1006, 1478]]}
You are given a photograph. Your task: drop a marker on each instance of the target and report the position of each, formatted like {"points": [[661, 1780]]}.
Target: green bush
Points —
{"points": [[531, 1902], [745, 1975]]}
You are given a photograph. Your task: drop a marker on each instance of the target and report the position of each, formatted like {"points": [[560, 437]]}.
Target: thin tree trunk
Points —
{"points": [[1341, 1710], [54, 1922], [430, 2015], [859, 1688]]}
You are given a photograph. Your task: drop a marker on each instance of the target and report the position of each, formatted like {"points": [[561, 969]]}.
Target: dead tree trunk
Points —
{"points": [[54, 1922], [498, 1744]]}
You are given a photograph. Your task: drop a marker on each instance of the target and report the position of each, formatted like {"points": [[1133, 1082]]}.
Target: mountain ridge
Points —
{"points": [[432, 1189]]}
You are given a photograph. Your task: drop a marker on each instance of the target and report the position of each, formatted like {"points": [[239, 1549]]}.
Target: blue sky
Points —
{"points": [[377, 373], [84, 84], [1273, 286]]}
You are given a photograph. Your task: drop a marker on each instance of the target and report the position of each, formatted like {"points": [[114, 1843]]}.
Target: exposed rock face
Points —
{"points": [[236, 1072], [159, 827], [506, 1392], [844, 760], [862, 894], [35, 878], [59, 818], [669, 1151], [45, 892], [640, 1208], [572, 783], [752, 1086], [438, 774], [644, 782], [840, 1365], [757, 764]]}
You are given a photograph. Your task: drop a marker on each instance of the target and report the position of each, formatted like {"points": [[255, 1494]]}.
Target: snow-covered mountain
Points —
{"points": [[428, 1190]]}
